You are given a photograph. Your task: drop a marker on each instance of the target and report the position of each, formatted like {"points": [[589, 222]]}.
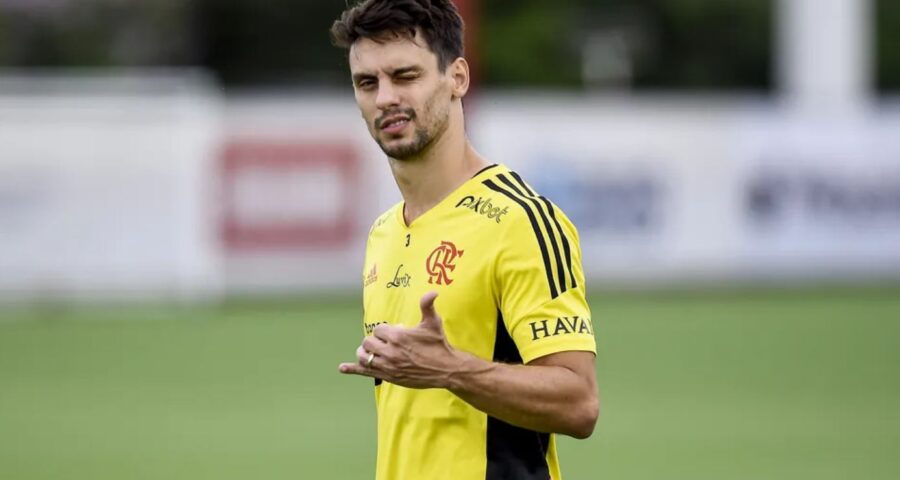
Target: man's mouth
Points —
{"points": [[394, 124]]}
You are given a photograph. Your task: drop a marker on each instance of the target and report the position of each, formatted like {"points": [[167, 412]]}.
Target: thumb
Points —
{"points": [[430, 316]]}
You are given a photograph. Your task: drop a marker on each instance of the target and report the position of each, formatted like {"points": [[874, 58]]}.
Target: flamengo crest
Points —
{"points": [[441, 262]]}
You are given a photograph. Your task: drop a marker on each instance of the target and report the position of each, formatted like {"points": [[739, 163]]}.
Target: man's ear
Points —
{"points": [[459, 73]]}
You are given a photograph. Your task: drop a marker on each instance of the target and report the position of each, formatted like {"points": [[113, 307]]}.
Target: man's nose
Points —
{"points": [[387, 96]]}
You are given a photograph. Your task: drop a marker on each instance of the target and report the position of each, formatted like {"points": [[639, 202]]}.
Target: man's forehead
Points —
{"points": [[389, 52]]}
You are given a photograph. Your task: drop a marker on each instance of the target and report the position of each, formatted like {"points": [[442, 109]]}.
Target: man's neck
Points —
{"points": [[427, 180]]}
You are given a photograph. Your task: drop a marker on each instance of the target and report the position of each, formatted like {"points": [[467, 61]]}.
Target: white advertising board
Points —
{"points": [[105, 187], [644, 181], [683, 190], [819, 195], [108, 191]]}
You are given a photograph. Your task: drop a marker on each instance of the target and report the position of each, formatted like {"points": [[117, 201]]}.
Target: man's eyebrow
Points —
{"points": [[358, 77], [403, 70]]}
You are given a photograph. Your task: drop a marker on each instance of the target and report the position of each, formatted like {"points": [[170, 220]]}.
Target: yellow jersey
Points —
{"points": [[506, 263]]}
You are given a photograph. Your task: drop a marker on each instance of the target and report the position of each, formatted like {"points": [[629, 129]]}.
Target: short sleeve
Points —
{"points": [[541, 288]]}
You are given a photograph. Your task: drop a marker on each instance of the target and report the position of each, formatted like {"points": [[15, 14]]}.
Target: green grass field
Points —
{"points": [[769, 385]]}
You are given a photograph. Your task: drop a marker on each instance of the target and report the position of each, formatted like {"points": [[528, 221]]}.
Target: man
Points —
{"points": [[478, 334]]}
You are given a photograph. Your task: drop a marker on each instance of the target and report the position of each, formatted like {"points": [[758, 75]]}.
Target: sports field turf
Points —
{"points": [[739, 385]]}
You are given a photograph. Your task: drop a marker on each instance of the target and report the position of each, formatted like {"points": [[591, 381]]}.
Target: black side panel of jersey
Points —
{"points": [[513, 453]]}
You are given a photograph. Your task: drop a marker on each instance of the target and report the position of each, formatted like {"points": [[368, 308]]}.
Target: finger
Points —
{"points": [[385, 332], [374, 345], [355, 369], [365, 359], [430, 316], [362, 356]]}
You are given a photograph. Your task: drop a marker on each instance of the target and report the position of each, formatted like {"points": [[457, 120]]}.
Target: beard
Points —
{"points": [[423, 136], [405, 151]]}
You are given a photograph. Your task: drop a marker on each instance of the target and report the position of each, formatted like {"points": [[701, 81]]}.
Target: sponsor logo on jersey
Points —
{"points": [[399, 281], [483, 206], [372, 276], [441, 262], [561, 326], [370, 327]]}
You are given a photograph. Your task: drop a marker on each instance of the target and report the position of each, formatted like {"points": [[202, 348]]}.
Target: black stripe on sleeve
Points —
{"points": [[513, 452], [561, 272], [562, 234], [537, 233], [522, 183]]}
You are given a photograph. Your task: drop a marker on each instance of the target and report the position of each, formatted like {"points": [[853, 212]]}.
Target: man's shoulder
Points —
{"points": [[384, 218], [505, 196]]}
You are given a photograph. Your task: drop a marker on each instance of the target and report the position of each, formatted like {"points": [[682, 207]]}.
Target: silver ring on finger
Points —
{"points": [[369, 360]]}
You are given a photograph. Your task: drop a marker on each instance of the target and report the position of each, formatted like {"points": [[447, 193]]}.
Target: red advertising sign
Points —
{"points": [[288, 195]]}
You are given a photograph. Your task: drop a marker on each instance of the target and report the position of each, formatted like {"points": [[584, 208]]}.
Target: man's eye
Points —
{"points": [[365, 84], [407, 78]]}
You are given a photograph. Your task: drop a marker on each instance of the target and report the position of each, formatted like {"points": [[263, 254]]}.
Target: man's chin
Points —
{"points": [[400, 150]]}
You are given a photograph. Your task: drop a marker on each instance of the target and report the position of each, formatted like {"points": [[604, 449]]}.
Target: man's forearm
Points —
{"points": [[544, 398]]}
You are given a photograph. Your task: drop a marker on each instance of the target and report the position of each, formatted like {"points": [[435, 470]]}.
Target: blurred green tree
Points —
{"points": [[567, 44], [275, 42], [887, 40], [681, 44]]}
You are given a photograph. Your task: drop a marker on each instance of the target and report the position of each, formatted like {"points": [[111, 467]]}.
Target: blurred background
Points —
{"points": [[186, 187]]}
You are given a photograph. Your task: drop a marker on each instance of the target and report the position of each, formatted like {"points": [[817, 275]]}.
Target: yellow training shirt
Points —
{"points": [[507, 265]]}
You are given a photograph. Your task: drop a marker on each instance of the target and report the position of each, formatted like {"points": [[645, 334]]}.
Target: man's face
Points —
{"points": [[401, 93]]}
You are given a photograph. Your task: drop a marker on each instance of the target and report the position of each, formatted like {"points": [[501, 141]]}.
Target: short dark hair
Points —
{"points": [[438, 20]]}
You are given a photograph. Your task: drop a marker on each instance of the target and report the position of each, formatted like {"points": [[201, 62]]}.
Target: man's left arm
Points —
{"points": [[555, 393]]}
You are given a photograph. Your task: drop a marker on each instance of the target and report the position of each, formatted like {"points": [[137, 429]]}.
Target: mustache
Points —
{"points": [[407, 112]]}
